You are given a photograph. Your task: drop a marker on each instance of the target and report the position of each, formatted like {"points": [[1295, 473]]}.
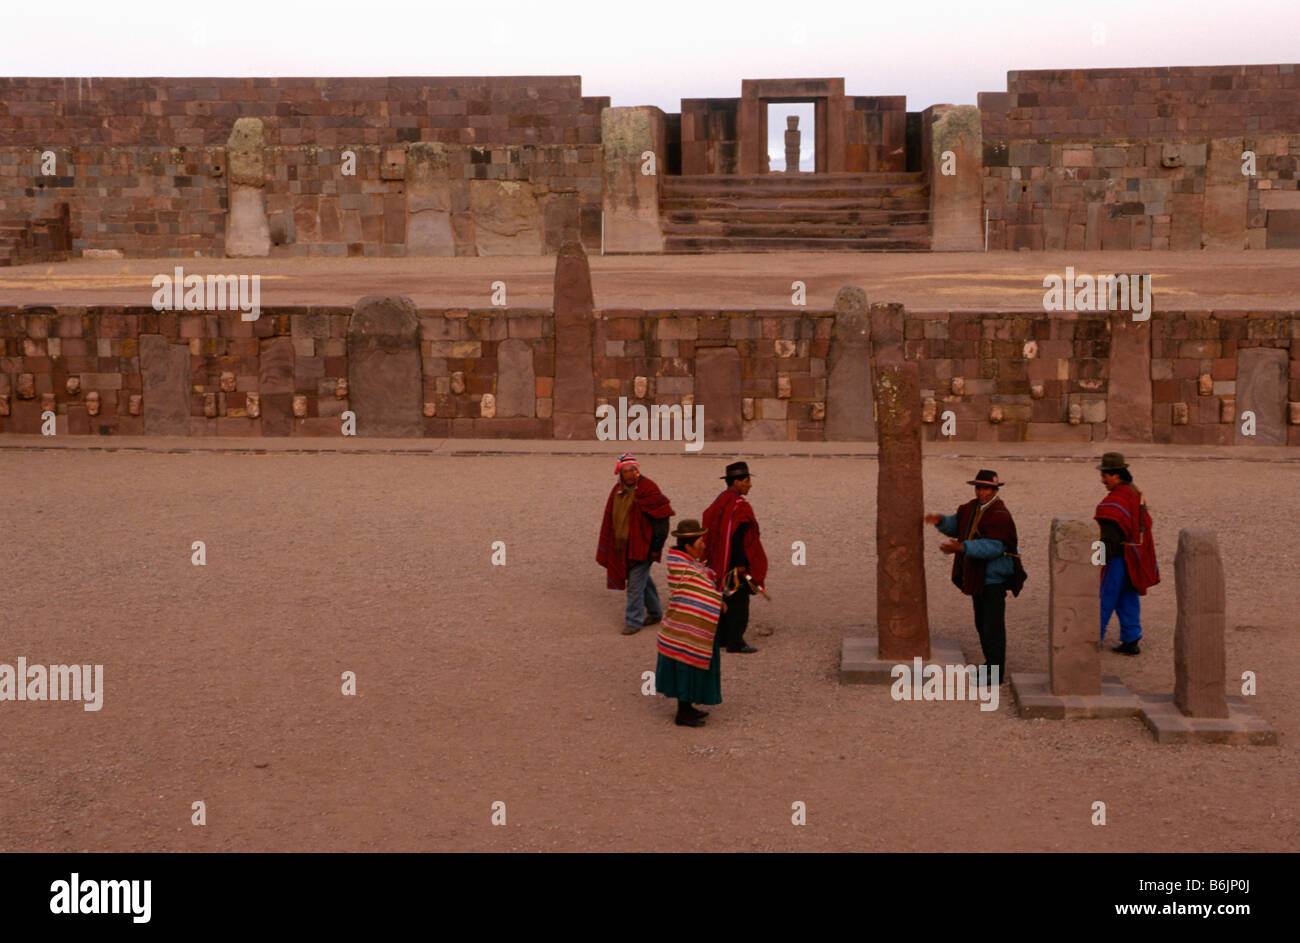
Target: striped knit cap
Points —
{"points": [[626, 460]]}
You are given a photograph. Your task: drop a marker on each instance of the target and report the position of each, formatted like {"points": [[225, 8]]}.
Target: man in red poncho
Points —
{"points": [[736, 555], [632, 534], [1130, 552]]}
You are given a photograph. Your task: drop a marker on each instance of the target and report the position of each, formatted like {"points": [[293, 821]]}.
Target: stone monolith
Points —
{"points": [[575, 384], [248, 232], [1074, 647], [849, 399], [385, 386], [901, 614], [1198, 633]]}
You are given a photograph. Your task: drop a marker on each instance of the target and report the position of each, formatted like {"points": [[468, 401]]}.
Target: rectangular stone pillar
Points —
{"points": [[385, 382], [1128, 396], [165, 380], [1074, 648], [902, 616], [428, 200], [575, 383], [1198, 633], [956, 199], [248, 232], [849, 397], [1262, 390], [631, 198], [1227, 192]]}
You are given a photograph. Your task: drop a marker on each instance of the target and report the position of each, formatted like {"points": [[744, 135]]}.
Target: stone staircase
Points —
{"points": [[796, 212], [44, 239]]}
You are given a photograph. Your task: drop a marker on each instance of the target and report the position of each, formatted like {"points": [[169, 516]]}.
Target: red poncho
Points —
{"points": [[727, 512], [1126, 508], [648, 502]]}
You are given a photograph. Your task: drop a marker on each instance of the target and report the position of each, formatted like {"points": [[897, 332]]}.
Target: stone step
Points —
{"points": [[803, 180], [819, 216], [700, 244], [808, 232]]}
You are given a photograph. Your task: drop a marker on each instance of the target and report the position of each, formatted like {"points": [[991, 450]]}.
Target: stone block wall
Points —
{"points": [[490, 372], [782, 388], [1174, 101], [172, 202], [1138, 194], [1143, 158], [323, 112]]}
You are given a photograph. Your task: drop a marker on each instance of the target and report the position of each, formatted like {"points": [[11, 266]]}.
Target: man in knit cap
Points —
{"points": [[632, 534]]}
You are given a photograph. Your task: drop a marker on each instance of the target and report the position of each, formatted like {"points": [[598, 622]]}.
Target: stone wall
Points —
{"points": [[1133, 194], [171, 202], [1143, 158], [1170, 102], [1182, 377], [322, 112]]}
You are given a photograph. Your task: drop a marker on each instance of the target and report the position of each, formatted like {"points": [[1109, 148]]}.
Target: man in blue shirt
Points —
{"points": [[986, 563]]}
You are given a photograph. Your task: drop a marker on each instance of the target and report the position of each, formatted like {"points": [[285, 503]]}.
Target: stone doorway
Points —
{"points": [[788, 146]]}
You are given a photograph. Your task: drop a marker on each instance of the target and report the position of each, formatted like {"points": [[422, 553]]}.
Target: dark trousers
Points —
{"points": [[991, 624], [732, 625]]}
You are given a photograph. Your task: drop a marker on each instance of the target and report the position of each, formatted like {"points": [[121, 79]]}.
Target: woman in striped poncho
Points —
{"points": [[688, 667]]}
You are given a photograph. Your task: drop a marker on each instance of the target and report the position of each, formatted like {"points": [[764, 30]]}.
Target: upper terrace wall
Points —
{"points": [[323, 112], [1177, 101], [1143, 158]]}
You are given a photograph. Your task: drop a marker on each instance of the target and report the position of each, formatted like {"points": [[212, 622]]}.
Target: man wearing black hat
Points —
{"points": [[986, 562], [735, 555]]}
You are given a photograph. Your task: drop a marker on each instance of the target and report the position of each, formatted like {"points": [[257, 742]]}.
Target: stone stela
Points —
{"points": [[1073, 687], [1199, 710]]}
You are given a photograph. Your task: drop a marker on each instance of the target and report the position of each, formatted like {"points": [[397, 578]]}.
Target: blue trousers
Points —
{"points": [[1119, 597], [642, 596]]}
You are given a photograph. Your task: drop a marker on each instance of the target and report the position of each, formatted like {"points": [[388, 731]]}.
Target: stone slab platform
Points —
{"points": [[1242, 726], [1034, 698], [859, 663]]}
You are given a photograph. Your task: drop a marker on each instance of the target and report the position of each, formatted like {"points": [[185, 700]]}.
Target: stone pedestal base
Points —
{"points": [[860, 661], [1034, 698], [1242, 726]]}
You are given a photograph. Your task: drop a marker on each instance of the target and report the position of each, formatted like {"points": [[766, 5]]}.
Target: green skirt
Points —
{"points": [[693, 685]]}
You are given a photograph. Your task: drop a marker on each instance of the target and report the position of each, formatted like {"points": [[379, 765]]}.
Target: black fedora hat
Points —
{"points": [[736, 470], [1112, 462], [987, 479]]}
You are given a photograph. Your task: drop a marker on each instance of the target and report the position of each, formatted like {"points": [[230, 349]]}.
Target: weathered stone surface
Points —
{"points": [[1074, 656], [574, 406], [516, 381], [561, 220], [248, 232], [902, 617], [631, 198], [717, 389], [887, 334], [1262, 389], [507, 218], [850, 399], [428, 200], [275, 385], [384, 382], [1128, 407], [1226, 194], [956, 200], [792, 139], [165, 375], [1199, 672]]}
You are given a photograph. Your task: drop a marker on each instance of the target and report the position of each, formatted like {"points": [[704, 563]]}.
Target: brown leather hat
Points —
{"points": [[689, 527]]}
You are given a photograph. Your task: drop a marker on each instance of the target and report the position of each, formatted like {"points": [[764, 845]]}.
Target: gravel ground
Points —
{"points": [[479, 683]]}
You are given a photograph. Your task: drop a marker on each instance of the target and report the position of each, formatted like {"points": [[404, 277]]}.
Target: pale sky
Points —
{"points": [[646, 52]]}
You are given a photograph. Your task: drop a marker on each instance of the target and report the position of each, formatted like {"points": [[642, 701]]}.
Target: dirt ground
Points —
{"points": [[936, 281], [479, 683]]}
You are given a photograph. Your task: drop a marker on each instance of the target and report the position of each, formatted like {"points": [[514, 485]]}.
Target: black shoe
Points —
{"points": [[654, 621], [689, 721], [1128, 648], [697, 713], [743, 650]]}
